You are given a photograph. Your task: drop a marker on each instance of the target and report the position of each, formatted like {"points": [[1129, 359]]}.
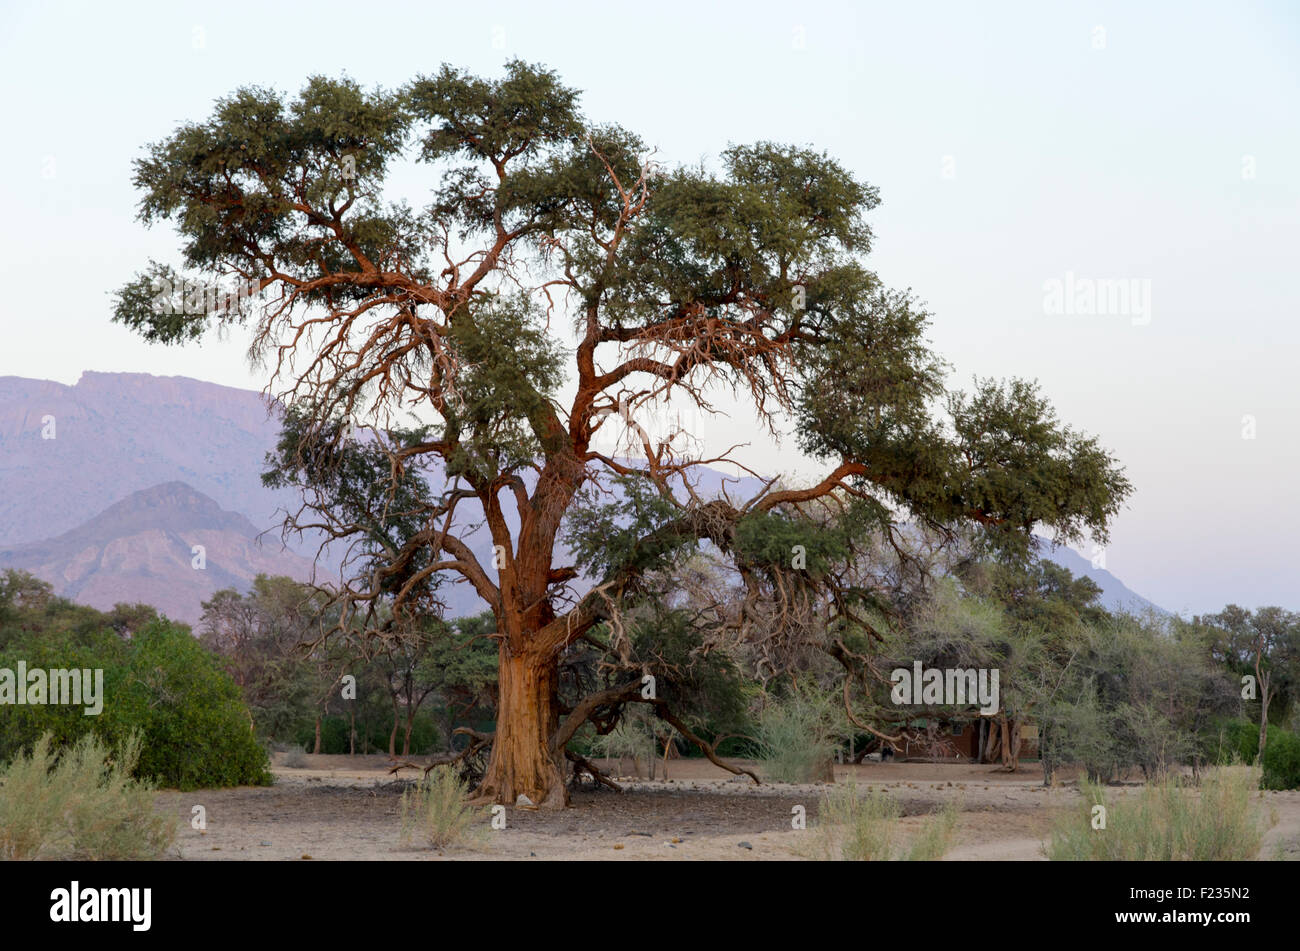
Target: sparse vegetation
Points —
{"points": [[865, 827], [798, 736], [1168, 821], [435, 811]]}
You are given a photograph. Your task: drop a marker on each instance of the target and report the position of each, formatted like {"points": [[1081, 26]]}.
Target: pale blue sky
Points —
{"points": [[1109, 155]]}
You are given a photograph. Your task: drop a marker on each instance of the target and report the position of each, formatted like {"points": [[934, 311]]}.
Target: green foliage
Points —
{"points": [[632, 533], [1168, 821], [799, 734], [81, 805], [1129, 695], [748, 278], [1263, 644], [770, 538], [1236, 740], [1281, 761], [435, 810], [706, 688], [257, 635], [194, 728]]}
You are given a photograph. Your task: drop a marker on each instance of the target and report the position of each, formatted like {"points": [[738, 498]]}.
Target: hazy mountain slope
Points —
{"points": [[142, 549], [116, 433], [1115, 595], [119, 433]]}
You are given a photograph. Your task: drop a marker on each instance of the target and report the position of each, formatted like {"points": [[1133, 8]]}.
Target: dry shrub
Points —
{"points": [[82, 804], [866, 827], [435, 810], [1169, 821]]}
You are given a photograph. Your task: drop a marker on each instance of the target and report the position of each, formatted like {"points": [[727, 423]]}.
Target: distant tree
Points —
{"points": [[1263, 644], [554, 282], [263, 639]]}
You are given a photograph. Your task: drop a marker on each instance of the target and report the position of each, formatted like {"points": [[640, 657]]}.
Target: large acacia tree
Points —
{"points": [[554, 280]]}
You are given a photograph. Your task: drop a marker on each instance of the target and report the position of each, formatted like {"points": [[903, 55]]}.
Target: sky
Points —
{"points": [[1027, 156]]}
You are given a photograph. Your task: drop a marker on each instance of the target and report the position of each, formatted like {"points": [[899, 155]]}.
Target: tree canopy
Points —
{"points": [[553, 281]]}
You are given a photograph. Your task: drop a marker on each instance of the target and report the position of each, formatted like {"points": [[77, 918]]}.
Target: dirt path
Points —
{"points": [[349, 808]]}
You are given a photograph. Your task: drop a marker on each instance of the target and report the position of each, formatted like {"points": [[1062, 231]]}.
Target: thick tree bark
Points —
{"points": [[523, 762], [316, 748]]}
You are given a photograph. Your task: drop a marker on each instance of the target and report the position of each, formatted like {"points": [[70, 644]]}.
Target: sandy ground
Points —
{"points": [[341, 807]]}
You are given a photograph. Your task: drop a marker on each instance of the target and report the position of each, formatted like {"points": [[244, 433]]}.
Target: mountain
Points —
{"points": [[142, 548], [116, 433], [120, 439], [1115, 595]]}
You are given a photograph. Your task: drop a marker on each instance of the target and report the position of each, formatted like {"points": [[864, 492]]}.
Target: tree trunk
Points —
{"points": [[522, 761], [1263, 713], [316, 748], [406, 738], [994, 742]]}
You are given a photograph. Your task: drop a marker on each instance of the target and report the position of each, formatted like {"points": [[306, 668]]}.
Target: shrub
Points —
{"points": [[1236, 741], [1168, 821], [81, 805], [865, 827], [798, 737], [631, 739], [1282, 761], [936, 835], [435, 810], [196, 730]]}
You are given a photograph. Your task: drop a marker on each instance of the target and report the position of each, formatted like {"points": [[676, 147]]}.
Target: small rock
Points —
{"points": [[265, 843], [306, 856], [744, 845], [619, 845], [523, 802], [532, 855]]}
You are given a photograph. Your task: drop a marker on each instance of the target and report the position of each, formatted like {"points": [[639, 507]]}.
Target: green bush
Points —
{"points": [[1236, 741], [80, 805], [1281, 761], [194, 728]]}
